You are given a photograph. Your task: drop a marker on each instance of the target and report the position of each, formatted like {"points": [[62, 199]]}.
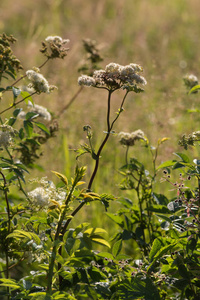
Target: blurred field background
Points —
{"points": [[162, 36]]}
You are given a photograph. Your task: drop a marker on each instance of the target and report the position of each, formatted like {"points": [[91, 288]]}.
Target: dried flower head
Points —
{"points": [[86, 80], [53, 47], [116, 76], [38, 82], [8, 61], [128, 139]]}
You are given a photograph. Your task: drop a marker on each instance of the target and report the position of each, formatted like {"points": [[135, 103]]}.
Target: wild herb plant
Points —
{"points": [[155, 253], [35, 224]]}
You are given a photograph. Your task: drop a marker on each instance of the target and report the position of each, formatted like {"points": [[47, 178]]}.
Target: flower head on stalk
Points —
{"points": [[116, 76], [53, 47], [129, 139], [39, 82]]}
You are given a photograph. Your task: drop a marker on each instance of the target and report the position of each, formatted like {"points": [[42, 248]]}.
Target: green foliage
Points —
{"points": [[155, 252]]}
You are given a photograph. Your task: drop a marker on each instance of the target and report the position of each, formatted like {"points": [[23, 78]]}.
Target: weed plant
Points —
{"points": [[155, 252]]}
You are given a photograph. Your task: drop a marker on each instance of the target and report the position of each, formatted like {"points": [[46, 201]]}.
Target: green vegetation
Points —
{"points": [[99, 168]]}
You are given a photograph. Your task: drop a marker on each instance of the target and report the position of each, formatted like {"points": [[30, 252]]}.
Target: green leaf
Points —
{"points": [[27, 96], [183, 157], [117, 219], [106, 255], [160, 199], [117, 247], [11, 121], [21, 133], [61, 176], [166, 164], [21, 234], [31, 115], [93, 231], [28, 127], [100, 241], [162, 252], [158, 208], [194, 89], [42, 127], [9, 283], [16, 112], [156, 246]]}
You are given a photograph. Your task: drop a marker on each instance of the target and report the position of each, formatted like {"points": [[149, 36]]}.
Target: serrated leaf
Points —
{"points": [[9, 283], [22, 234], [62, 177]]}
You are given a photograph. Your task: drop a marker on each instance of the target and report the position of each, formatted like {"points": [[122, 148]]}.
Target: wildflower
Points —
{"points": [[56, 39], [6, 135], [40, 110], [128, 139], [38, 82], [41, 196], [52, 47], [115, 77], [113, 69], [86, 80]]}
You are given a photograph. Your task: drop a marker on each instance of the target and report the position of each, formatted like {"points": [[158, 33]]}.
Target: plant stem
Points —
{"points": [[14, 104], [61, 230], [56, 241], [24, 76]]}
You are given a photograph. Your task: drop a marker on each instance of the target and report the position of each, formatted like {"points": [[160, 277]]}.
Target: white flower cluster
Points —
{"points": [[86, 80], [115, 75], [56, 39], [190, 80], [6, 135], [38, 109], [38, 82], [41, 196], [128, 139]]}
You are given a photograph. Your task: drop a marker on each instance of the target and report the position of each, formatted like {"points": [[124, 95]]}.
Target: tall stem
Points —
{"points": [[61, 230]]}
